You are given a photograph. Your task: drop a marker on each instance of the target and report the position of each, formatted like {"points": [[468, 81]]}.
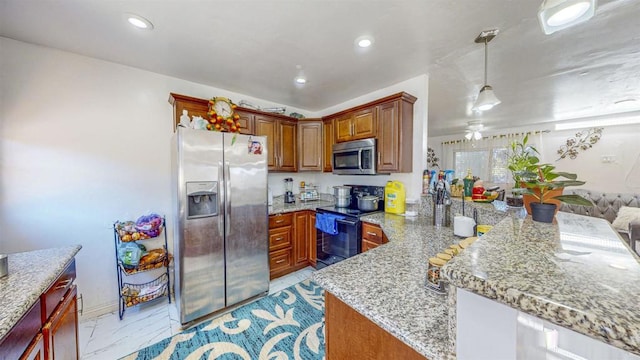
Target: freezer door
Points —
{"points": [[199, 238], [247, 238]]}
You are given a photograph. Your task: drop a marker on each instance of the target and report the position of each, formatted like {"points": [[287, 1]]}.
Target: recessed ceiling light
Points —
{"points": [[139, 22], [555, 15], [300, 78], [364, 41]]}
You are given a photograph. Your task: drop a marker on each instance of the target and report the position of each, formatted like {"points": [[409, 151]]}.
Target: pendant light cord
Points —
{"points": [[486, 56]]}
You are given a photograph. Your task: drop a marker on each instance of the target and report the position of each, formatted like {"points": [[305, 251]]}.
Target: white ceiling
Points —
{"points": [[253, 47]]}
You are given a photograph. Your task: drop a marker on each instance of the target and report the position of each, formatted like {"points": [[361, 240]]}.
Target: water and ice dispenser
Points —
{"points": [[202, 199]]}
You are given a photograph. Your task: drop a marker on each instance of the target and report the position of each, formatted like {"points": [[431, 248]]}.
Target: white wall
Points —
{"points": [[84, 143], [622, 142]]}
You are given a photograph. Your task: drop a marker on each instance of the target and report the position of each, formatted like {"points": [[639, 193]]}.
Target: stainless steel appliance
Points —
{"points": [[221, 220], [289, 198], [348, 242], [356, 157]]}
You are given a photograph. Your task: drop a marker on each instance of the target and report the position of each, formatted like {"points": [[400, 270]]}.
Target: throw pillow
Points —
{"points": [[626, 214]]}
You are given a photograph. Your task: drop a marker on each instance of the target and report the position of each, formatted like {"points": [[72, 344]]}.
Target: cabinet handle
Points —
{"points": [[279, 239], [279, 221], [372, 234], [280, 261], [351, 130], [63, 284], [378, 158]]}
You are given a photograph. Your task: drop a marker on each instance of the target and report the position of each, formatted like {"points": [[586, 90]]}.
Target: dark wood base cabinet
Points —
{"points": [[350, 335], [49, 330], [61, 331], [292, 242]]}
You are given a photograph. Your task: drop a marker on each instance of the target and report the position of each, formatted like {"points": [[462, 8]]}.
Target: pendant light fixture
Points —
{"points": [[556, 15], [486, 98]]}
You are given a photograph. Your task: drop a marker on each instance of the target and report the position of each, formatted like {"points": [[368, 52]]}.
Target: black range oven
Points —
{"points": [[348, 241]]}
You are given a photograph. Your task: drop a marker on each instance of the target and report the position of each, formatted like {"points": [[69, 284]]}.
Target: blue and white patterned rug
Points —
{"points": [[286, 325]]}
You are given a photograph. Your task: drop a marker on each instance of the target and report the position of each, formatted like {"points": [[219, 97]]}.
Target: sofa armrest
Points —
{"points": [[634, 234]]}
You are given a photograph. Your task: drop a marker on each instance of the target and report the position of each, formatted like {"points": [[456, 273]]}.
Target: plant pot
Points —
{"points": [[528, 199], [543, 212]]}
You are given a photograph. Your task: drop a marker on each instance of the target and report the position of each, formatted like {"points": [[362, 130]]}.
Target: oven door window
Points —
{"points": [[334, 248]]}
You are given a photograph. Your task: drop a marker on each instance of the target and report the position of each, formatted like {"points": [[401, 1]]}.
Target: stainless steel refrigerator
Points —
{"points": [[221, 220]]}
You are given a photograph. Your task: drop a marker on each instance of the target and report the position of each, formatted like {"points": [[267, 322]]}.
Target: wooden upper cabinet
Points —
{"points": [[247, 121], [287, 144], [193, 106], [328, 139], [395, 134], [364, 124], [265, 126], [356, 125], [281, 142], [310, 145], [343, 128], [389, 120]]}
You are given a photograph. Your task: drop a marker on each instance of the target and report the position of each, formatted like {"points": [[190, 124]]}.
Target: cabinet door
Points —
{"points": [[300, 247], [312, 239], [364, 124], [287, 144], [265, 126], [246, 122], [344, 129], [388, 137], [61, 331], [327, 143], [35, 351], [368, 245], [193, 106], [310, 145]]}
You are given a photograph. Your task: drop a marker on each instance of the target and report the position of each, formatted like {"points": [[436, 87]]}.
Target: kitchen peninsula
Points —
{"points": [[563, 274], [38, 298]]}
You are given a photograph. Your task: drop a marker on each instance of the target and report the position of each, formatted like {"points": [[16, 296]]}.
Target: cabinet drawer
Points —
{"points": [[280, 260], [276, 221], [372, 233], [368, 245], [280, 238], [54, 294]]}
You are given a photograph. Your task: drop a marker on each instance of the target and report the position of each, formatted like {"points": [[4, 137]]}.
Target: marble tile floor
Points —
{"points": [[108, 338]]}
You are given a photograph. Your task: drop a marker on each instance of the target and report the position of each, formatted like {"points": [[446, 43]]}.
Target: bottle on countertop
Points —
{"points": [[425, 182]]}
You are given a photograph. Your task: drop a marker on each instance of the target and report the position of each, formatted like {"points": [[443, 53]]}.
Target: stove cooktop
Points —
{"points": [[347, 211]]}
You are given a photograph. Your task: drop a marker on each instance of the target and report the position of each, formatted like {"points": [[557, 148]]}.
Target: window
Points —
{"points": [[488, 164]]}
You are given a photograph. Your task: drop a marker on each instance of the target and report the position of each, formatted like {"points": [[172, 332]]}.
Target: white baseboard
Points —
{"points": [[93, 313]]}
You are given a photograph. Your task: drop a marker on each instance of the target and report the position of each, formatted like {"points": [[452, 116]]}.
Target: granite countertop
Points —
{"points": [[387, 284], [279, 207], [30, 274], [577, 273]]}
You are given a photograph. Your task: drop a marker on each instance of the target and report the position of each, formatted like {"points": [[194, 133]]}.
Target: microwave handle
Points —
{"points": [[360, 160]]}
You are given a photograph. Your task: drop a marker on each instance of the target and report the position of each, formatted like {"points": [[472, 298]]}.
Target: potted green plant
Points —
{"points": [[544, 184], [522, 158]]}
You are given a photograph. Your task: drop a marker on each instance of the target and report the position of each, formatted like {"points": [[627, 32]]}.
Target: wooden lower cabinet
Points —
{"points": [[350, 335], [372, 236], [49, 329], [313, 239], [297, 253], [60, 332], [35, 351]]}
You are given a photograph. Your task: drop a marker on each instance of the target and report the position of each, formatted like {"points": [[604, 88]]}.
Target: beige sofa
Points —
{"points": [[607, 206]]}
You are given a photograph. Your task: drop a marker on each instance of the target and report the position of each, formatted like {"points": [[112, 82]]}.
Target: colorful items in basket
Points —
{"points": [[146, 227], [437, 262], [133, 295], [479, 194]]}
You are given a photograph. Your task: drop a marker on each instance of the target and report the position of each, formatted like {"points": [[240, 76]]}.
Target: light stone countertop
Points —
{"points": [[30, 274], [576, 273], [387, 284], [280, 207]]}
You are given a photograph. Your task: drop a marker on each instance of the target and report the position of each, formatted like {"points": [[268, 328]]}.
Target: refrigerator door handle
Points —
{"points": [[221, 199], [227, 210]]}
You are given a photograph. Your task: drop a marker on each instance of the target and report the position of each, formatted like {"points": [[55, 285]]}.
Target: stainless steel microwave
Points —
{"points": [[356, 157]]}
